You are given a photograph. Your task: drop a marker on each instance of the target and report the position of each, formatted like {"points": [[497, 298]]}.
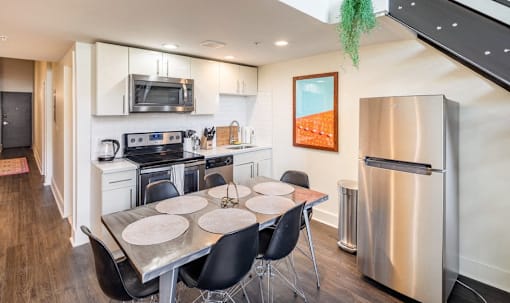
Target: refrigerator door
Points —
{"points": [[407, 129], [400, 232]]}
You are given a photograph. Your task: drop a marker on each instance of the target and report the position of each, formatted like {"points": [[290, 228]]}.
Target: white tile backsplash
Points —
{"points": [[246, 110]]}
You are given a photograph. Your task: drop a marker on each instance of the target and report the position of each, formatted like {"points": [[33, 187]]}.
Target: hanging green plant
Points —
{"points": [[356, 17]]}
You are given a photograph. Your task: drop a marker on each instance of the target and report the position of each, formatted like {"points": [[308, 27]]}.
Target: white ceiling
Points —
{"points": [[44, 30]]}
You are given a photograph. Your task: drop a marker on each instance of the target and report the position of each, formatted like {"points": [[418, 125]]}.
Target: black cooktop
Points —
{"points": [[164, 157]]}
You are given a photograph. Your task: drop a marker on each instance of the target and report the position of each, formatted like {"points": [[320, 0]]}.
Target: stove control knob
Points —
{"points": [[177, 137], [132, 140], [140, 139], [171, 137]]}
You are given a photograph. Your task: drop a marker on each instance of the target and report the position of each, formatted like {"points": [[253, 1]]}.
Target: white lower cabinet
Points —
{"points": [[113, 190], [252, 164]]}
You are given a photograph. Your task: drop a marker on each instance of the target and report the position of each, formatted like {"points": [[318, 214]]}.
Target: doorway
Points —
{"points": [[16, 126]]}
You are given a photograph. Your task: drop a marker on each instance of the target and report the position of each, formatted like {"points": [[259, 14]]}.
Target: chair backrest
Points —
{"points": [[213, 180], [160, 190], [230, 259], [286, 234], [296, 177], [107, 271]]}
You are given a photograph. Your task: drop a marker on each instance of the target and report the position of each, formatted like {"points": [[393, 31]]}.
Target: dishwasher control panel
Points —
{"points": [[219, 161]]}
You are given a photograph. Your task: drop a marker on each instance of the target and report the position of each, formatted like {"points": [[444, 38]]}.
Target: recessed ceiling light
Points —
{"points": [[281, 43], [229, 57], [213, 44], [170, 46], [3, 38]]}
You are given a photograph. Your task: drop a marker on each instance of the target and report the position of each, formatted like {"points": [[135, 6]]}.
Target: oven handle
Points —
{"points": [[149, 170]]}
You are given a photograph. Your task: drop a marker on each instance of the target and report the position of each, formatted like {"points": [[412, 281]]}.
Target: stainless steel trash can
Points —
{"points": [[348, 217]]}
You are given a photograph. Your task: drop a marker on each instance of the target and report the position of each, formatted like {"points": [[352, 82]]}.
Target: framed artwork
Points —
{"points": [[315, 120]]}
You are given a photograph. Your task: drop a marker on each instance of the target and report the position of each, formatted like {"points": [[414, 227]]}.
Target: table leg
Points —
{"points": [[168, 286], [310, 243]]}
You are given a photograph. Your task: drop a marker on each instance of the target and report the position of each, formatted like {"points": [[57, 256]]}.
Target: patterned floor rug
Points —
{"points": [[13, 166]]}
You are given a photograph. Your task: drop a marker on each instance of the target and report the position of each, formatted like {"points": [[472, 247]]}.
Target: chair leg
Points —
{"points": [[310, 243], [244, 291], [297, 285]]}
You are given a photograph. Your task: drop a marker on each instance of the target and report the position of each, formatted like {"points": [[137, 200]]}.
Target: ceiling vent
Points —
{"points": [[212, 44]]}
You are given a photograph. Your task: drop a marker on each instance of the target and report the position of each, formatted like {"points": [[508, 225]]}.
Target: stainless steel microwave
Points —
{"points": [[160, 94]]}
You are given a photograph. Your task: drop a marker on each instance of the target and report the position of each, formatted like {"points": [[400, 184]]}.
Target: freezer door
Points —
{"points": [[400, 224], [409, 129]]}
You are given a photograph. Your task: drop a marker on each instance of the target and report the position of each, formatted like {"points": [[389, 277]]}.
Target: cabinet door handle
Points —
{"points": [[131, 197], [119, 181], [157, 66], [124, 104]]}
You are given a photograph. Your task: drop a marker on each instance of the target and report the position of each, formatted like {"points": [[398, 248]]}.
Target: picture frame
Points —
{"points": [[315, 111]]}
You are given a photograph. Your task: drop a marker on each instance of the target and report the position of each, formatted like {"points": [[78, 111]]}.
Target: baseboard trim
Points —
{"points": [[58, 197], [325, 217], [485, 273], [37, 158]]}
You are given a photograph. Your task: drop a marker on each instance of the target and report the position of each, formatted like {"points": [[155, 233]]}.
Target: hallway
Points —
{"points": [[37, 262]]}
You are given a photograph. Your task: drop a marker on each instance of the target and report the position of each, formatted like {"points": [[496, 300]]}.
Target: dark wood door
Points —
{"points": [[16, 119]]}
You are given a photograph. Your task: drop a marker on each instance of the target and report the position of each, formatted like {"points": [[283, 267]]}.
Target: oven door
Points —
{"points": [[160, 94], [193, 178]]}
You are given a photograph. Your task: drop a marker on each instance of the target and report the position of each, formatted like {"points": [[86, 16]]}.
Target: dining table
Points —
{"points": [[163, 260]]}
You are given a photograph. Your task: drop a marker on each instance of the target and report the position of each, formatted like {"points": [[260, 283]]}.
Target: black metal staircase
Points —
{"points": [[476, 40]]}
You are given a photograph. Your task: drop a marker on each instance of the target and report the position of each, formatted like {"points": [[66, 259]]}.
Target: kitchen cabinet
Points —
{"points": [[111, 80], [145, 62], [205, 74], [113, 190], [252, 164], [177, 66], [154, 63], [238, 80]]}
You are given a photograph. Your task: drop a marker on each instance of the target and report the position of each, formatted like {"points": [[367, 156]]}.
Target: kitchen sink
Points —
{"points": [[241, 147]]}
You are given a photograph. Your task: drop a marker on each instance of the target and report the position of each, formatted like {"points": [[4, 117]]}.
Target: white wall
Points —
{"points": [[408, 68], [62, 143], [42, 143], [230, 108], [16, 75]]}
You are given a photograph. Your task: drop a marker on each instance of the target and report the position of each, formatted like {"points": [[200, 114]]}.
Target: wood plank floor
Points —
{"points": [[38, 264]]}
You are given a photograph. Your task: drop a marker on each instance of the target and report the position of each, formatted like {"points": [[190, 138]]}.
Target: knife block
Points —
{"points": [[206, 144]]}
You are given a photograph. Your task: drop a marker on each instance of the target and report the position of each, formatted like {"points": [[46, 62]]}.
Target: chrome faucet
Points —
{"points": [[230, 135]]}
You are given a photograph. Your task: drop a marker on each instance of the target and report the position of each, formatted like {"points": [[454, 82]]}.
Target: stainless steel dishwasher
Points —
{"points": [[223, 165]]}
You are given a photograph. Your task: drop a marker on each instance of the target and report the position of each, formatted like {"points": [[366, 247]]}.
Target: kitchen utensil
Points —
{"points": [[108, 149]]}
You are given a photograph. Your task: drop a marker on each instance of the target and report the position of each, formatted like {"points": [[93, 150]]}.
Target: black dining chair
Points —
{"points": [[213, 180], [118, 280], [300, 178], [278, 243], [226, 265], [160, 190]]}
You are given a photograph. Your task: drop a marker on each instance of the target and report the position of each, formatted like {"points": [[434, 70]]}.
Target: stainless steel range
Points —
{"points": [[160, 156]]}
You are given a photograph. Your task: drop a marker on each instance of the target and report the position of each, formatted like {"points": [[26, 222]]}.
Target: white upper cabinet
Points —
{"points": [[238, 80], [205, 74], [146, 62], [229, 78], [248, 80], [177, 66], [111, 65]]}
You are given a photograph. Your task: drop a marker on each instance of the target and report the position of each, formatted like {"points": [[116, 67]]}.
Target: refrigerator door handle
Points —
{"points": [[408, 167]]}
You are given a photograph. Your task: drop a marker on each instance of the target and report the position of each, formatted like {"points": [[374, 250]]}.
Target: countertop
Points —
{"points": [[116, 165], [223, 150]]}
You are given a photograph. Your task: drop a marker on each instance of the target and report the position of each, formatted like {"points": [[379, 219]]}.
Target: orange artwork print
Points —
{"points": [[316, 111]]}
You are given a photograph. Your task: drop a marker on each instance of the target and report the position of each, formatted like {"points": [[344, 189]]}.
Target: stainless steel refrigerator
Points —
{"points": [[408, 194]]}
